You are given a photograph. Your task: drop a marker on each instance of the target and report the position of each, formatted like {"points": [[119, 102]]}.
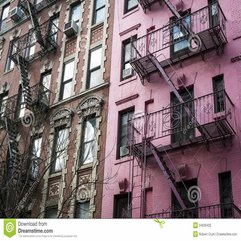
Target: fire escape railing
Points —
{"points": [[225, 210], [215, 109], [23, 43], [39, 94], [162, 41]]}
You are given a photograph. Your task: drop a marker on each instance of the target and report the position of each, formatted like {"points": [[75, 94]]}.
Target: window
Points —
{"points": [[88, 141], [124, 117], [45, 82], [75, 13], [177, 211], [99, 11], [181, 123], [219, 98], [122, 206], [67, 80], [12, 49], [35, 155], [31, 44], [51, 212], [127, 70], [21, 105], [94, 73], [82, 210], [226, 196], [213, 13], [3, 103], [130, 5], [54, 24], [180, 35], [59, 149], [4, 17]]}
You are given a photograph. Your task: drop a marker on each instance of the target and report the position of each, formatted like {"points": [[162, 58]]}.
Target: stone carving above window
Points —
{"points": [[90, 106], [83, 193], [61, 117]]}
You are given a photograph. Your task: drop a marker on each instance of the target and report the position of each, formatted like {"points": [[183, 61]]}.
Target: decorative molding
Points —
{"points": [[89, 106], [61, 117], [53, 189], [135, 27], [119, 102]]}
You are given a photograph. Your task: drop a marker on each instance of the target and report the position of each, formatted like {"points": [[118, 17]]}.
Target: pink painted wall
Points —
{"points": [[202, 164]]}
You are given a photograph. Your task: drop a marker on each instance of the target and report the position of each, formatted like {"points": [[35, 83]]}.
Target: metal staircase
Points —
{"points": [[14, 155], [151, 61], [22, 63], [29, 9]]}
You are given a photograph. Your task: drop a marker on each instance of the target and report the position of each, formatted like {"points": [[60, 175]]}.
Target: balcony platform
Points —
{"points": [[159, 43]]}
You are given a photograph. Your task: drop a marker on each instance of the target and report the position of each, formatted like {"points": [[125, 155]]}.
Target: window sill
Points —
{"points": [[8, 71], [56, 174], [97, 25], [126, 81], [131, 12], [86, 166], [122, 160]]}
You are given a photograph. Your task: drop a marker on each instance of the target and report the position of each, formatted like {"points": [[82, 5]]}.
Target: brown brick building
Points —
{"points": [[54, 81]]}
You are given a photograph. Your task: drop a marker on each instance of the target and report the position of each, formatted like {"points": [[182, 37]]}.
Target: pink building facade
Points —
{"points": [[173, 133]]}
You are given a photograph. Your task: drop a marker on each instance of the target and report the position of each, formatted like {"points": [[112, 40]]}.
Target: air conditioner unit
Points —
{"points": [[127, 73], [70, 29], [16, 14], [124, 151]]}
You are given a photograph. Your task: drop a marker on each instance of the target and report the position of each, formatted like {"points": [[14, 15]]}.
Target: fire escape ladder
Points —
{"points": [[24, 81], [14, 155], [172, 9], [167, 173], [31, 11]]}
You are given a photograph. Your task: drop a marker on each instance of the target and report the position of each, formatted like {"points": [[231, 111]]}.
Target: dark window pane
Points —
{"points": [[82, 210]]}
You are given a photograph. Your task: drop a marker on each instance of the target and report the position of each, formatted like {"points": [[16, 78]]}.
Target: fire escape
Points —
{"points": [[35, 99], [152, 53]]}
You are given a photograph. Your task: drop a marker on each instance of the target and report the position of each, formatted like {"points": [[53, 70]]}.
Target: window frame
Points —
{"points": [[222, 191], [52, 25], [49, 209], [3, 102], [55, 150], [7, 6], [126, 10], [95, 10], [218, 97], [72, 6], [30, 45], [174, 53], [84, 143], [13, 45], [123, 62], [117, 198], [86, 212], [65, 82], [90, 71], [35, 159], [179, 135], [119, 136]]}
